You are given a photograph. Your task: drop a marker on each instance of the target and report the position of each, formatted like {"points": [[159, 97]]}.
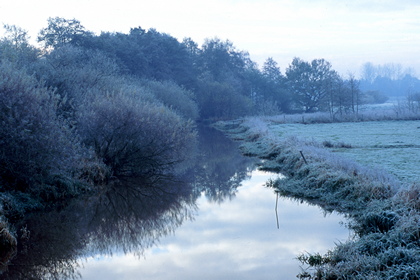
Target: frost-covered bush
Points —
{"points": [[135, 138], [76, 73], [20, 54], [36, 146], [220, 100], [175, 97]]}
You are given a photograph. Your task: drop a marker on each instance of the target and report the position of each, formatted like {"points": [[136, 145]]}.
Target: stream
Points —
{"points": [[216, 222], [236, 239]]}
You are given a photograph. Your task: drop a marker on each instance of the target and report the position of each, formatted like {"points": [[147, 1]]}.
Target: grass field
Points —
{"points": [[391, 145]]}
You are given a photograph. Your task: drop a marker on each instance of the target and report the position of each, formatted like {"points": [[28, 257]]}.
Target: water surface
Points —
{"points": [[236, 239], [216, 221]]}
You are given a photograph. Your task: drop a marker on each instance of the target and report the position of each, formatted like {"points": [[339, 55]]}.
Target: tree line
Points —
{"points": [[224, 81], [391, 80]]}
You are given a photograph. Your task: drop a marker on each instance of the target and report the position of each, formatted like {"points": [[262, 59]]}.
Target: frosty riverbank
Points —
{"points": [[384, 211]]}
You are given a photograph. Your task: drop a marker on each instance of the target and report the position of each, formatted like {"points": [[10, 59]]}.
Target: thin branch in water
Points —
{"points": [[277, 216]]}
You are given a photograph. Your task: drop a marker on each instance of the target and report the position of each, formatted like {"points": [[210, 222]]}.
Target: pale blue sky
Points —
{"points": [[346, 33]]}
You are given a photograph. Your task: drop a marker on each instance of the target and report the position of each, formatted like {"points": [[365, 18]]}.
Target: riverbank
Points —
{"points": [[384, 211]]}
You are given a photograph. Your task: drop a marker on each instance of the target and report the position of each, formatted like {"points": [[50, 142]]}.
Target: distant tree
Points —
{"points": [[413, 101], [409, 84], [145, 54], [274, 86], [391, 70], [271, 70], [221, 100], [341, 100], [167, 58], [222, 60], [310, 83], [369, 72], [60, 31], [191, 46], [223, 90], [354, 89]]}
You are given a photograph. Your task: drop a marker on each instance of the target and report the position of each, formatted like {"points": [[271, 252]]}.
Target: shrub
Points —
{"points": [[135, 138], [76, 73], [21, 54], [36, 146], [221, 100], [174, 96]]}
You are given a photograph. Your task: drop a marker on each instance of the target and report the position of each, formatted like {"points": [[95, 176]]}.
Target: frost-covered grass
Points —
{"points": [[391, 145], [384, 211]]}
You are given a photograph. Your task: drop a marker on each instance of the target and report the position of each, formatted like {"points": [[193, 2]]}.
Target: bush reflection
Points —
{"points": [[125, 216]]}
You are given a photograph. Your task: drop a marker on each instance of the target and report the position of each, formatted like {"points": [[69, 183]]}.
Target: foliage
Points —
{"points": [[36, 145], [16, 35], [60, 31], [74, 71], [268, 89], [144, 54], [221, 59], [151, 55], [311, 83], [135, 138], [14, 47], [46, 148], [173, 96], [221, 101]]}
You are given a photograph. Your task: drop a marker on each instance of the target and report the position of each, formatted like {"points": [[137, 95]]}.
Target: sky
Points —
{"points": [[347, 33]]}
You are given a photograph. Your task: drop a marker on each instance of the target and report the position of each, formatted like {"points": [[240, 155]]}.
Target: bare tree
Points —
{"points": [[353, 85]]}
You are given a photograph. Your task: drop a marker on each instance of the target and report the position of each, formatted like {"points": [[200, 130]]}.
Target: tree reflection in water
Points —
{"points": [[221, 168], [125, 216]]}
